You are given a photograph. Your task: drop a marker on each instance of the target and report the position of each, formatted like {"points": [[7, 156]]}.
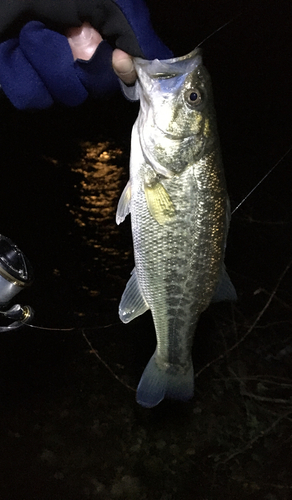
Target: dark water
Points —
{"points": [[69, 429]]}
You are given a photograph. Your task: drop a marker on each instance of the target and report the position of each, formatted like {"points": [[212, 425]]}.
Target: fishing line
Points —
{"points": [[262, 179], [92, 349], [284, 155], [71, 329], [219, 29]]}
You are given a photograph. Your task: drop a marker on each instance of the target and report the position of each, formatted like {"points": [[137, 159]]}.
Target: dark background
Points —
{"points": [[68, 428]]}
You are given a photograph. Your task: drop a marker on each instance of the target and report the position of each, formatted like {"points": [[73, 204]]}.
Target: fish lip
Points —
{"points": [[195, 52]]}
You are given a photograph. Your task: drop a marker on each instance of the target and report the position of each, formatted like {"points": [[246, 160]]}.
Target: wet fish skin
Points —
{"points": [[179, 214]]}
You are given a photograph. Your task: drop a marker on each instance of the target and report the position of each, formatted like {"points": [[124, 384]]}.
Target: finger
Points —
{"points": [[83, 41], [124, 67]]}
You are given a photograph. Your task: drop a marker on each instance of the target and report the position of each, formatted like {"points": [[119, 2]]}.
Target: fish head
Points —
{"points": [[177, 117]]}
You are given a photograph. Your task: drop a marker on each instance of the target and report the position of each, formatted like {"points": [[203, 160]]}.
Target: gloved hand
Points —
{"points": [[37, 67]]}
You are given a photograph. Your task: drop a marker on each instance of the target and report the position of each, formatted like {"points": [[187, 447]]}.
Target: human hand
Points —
{"points": [[84, 41], [37, 67]]}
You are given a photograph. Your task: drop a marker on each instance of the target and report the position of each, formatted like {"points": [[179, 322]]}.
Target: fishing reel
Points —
{"points": [[15, 274]]}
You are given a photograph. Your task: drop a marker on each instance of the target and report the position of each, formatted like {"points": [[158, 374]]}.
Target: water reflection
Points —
{"points": [[103, 171]]}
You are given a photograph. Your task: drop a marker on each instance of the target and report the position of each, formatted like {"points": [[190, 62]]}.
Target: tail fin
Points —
{"points": [[157, 384]]}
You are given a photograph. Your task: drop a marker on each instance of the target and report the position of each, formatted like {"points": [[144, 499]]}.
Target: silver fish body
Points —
{"points": [[179, 214]]}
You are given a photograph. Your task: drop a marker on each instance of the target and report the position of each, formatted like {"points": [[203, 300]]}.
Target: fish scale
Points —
{"points": [[179, 215]]}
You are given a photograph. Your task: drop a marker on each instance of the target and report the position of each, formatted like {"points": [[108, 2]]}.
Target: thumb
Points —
{"points": [[124, 67]]}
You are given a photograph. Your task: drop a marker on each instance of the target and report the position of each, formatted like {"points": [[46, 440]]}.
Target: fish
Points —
{"points": [[180, 214]]}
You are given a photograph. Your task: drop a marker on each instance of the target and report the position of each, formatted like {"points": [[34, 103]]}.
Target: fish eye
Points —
{"points": [[193, 97]]}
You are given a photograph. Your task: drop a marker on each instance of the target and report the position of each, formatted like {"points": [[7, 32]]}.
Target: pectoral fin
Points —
{"points": [[132, 303], [225, 289], [124, 204], [159, 203]]}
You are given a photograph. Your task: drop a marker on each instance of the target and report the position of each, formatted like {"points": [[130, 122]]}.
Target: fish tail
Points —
{"points": [[157, 383]]}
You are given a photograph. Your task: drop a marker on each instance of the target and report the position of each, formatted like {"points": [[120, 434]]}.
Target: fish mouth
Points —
{"points": [[167, 65]]}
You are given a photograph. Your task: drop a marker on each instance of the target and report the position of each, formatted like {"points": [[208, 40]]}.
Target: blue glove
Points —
{"points": [[37, 67]]}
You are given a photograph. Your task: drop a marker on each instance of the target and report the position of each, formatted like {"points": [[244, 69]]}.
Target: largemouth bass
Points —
{"points": [[179, 214]]}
